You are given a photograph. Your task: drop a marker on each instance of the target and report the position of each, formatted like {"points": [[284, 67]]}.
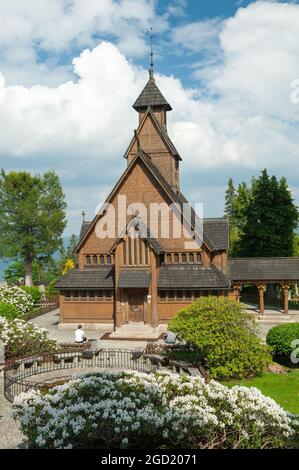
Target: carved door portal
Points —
{"points": [[136, 305]]}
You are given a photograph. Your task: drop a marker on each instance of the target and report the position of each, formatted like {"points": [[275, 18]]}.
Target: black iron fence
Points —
{"points": [[38, 372]]}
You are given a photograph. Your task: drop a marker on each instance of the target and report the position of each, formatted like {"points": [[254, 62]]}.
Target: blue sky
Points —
{"points": [[71, 69]]}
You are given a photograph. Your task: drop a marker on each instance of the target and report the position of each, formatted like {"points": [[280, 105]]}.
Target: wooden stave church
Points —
{"points": [[107, 291]]}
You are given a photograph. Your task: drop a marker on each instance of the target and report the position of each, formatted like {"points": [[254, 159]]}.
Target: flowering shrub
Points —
{"points": [[69, 264], [16, 296], [22, 338], [161, 410]]}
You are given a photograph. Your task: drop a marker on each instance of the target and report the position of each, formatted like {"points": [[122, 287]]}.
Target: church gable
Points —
{"points": [[152, 137], [138, 185]]}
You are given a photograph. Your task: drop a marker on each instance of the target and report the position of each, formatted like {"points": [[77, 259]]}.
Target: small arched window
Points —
{"points": [[184, 258], [88, 260], [176, 258], [95, 259], [191, 258]]}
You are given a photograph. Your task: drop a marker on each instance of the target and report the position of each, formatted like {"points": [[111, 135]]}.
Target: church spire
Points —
{"points": [[151, 70], [151, 95]]}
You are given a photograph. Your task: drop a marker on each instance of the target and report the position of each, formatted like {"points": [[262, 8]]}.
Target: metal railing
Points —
{"points": [[17, 372]]}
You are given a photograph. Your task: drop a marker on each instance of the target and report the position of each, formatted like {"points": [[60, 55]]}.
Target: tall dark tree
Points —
{"points": [[236, 202], [271, 219], [230, 202], [32, 217]]}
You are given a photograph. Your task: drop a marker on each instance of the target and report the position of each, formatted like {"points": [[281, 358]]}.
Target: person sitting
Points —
{"points": [[80, 335], [170, 338]]}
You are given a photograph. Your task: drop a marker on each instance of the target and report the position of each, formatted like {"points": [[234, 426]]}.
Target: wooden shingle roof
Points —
{"points": [[186, 276], [151, 95], [264, 269], [134, 278], [100, 278]]}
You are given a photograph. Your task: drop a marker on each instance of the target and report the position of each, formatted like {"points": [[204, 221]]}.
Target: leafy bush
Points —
{"points": [[51, 290], [33, 292], [224, 335], [280, 338], [16, 296], [8, 311], [21, 338], [162, 410]]}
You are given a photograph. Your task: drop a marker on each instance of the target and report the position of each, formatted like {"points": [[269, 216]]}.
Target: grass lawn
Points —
{"points": [[283, 388]]}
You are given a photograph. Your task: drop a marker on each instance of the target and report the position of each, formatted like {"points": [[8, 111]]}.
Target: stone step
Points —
{"points": [[274, 317], [137, 330], [276, 322]]}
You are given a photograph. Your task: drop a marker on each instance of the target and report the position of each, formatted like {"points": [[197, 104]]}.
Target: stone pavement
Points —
{"points": [[50, 322], [10, 435]]}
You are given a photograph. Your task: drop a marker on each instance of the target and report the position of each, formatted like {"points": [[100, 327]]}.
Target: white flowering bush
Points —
{"points": [[21, 338], [162, 410], [18, 297]]}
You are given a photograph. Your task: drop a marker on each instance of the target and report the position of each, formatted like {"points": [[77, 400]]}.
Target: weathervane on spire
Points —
{"points": [[151, 71], [83, 215]]}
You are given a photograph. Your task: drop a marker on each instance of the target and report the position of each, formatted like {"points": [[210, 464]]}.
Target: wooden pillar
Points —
{"points": [[237, 288], [285, 288], [261, 288], [117, 294], [154, 299]]}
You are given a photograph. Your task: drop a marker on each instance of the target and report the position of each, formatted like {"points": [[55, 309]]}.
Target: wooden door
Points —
{"points": [[136, 305]]}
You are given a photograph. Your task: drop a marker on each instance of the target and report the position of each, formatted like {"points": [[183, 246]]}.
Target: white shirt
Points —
{"points": [[79, 335]]}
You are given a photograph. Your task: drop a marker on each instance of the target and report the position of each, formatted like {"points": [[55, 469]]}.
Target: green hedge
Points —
{"points": [[224, 336], [34, 292], [8, 311], [280, 338]]}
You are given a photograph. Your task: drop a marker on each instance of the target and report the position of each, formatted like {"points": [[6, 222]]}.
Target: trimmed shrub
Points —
{"points": [[224, 337], [111, 410], [8, 311], [33, 292], [281, 337]]}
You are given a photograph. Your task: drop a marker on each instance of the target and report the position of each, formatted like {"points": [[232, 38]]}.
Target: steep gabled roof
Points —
{"points": [[161, 131], [151, 95], [176, 198]]}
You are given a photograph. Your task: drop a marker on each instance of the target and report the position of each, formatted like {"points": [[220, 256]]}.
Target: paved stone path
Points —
{"points": [[10, 435], [50, 322]]}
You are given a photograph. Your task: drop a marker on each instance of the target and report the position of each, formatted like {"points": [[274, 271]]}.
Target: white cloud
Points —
{"points": [[81, 127], [35, 35], [198, 36]]}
